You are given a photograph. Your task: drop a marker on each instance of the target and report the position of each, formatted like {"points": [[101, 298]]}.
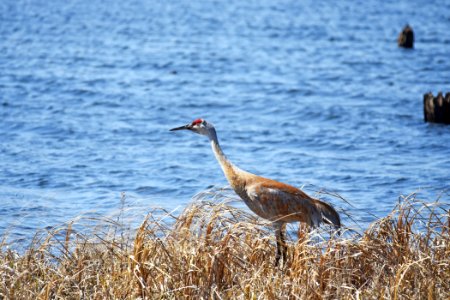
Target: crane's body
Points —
{"points": [[272, 200]]}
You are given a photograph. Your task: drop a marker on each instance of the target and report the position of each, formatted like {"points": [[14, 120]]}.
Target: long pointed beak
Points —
{"points": [[188, 126]]}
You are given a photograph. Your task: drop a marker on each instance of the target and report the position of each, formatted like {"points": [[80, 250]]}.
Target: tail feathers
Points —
{"points": [[329, 214]]}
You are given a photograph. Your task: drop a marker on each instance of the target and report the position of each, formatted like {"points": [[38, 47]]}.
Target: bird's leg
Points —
{"points": [[281, 244], [278, 254]]}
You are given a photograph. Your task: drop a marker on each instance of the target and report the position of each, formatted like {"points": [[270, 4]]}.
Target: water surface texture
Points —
{"points": [[306, 92]]}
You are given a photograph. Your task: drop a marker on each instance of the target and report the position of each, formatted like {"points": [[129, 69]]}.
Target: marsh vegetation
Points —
{"points": [[213, 250]]}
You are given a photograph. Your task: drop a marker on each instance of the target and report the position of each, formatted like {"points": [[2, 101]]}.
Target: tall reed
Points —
{"points": [[213, 250]]}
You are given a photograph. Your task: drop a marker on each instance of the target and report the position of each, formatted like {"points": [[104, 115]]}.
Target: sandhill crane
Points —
{"points": [[277, 202]]}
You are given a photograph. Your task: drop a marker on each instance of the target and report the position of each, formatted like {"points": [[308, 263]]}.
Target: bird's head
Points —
{"points": [[199, 126]]}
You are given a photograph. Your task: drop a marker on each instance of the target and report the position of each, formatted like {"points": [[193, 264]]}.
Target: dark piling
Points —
{"points": [[406, 38], [436, 109]]}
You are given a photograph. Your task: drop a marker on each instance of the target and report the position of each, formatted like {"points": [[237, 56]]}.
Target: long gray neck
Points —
{"points": [[228, 168]]}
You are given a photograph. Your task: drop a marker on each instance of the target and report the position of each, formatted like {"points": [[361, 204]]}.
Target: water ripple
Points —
{"points": [[304, 92]]}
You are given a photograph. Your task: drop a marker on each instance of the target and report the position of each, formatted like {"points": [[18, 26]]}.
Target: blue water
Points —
{"points": [[306, 92]]}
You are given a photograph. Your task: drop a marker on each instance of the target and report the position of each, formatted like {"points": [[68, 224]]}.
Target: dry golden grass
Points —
{"points": [[216, 251]]}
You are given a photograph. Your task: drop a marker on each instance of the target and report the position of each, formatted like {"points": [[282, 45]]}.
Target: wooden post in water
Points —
{"points": [[436, 109], [406, 38]]}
